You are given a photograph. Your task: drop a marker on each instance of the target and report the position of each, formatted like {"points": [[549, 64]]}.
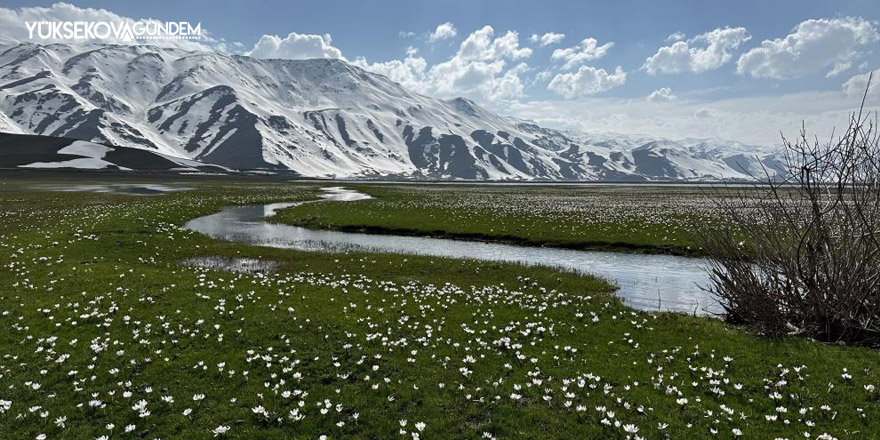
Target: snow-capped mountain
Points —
{"points": [[315, 117]]}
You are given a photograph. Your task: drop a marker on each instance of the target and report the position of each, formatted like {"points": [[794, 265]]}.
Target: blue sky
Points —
{"points": [[742, 70]]}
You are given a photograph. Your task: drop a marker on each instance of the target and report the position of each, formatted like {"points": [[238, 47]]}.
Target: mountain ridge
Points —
{"points": [[317, 118]]}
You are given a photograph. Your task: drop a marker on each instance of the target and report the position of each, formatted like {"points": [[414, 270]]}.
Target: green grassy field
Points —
{"points": [[652, 219], [106, 333]]}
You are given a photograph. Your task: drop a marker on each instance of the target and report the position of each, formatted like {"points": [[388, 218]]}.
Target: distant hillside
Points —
{"points": [[45, 152]]}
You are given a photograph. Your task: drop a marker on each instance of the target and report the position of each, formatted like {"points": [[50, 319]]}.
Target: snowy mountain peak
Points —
{"points": [[319, 117]]}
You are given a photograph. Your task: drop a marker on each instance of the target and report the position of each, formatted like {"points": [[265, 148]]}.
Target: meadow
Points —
{"points": [[110, 330], [643, 218]]}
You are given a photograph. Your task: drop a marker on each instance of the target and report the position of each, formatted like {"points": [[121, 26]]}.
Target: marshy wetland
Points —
{"points": [[120, 322], [645, 281]]}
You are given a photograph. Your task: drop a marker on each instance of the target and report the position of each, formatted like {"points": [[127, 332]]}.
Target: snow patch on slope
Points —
{"points": [[8, 126], [92, 157]]}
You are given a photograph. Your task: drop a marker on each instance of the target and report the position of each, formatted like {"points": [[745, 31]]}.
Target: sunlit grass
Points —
{"points": [[105, 331], [638, 219]]}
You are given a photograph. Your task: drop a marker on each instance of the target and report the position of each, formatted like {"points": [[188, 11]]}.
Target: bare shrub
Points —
{"points": [[800, 253]]}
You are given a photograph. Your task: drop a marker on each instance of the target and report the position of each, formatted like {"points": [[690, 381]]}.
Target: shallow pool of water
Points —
{"points": [[141, 189], [232, 264], [648, 282]]}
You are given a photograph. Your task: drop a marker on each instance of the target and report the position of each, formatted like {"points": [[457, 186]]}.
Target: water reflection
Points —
{"points": [[231, 264], [141, 189], [648, 282]]}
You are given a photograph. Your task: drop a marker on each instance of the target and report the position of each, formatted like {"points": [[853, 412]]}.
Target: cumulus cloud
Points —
{"points": [[676, 36], [542, 76], [586, 81], [663, 94], [856, 85], [707, 113], [587, 50], [443, 31], [12, 22], [814, 45], [547, 39], [295, 47], [480, 68], [704, 52], [410, 72], [482, 45]]}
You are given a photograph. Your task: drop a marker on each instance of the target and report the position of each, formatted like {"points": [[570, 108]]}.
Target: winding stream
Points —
{"points": [[648, 282]]}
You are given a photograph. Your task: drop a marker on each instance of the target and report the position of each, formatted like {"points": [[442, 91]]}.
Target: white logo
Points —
{"points": [[124, 31]]}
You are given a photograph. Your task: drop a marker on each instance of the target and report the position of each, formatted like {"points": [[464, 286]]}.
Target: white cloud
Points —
{"points": [[814, 45], [481, 45], [443, 31], [756, 120], [707, 113], [676, 36], [704, 52], [410, 72], [587, 50], [663, 94], [479, 69], [855, 86], [295, 47], [586, 81], [12, 24], [542, 76], [547, 39]]}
